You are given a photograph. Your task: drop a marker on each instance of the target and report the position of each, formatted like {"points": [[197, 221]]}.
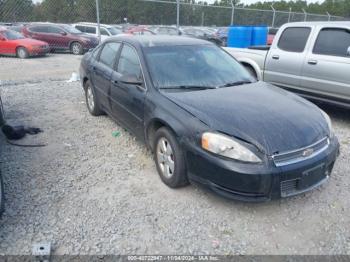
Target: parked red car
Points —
{"points": [[139, 30], [15, 44], [61, 37]]}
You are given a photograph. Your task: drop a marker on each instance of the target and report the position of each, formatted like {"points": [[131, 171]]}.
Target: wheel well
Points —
{"points": [[251, 68], [152, 129], [20, 47], [85, 79]]}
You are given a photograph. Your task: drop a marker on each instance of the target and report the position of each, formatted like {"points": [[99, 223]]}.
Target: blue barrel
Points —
{"points": [[239, 36], [259, 35]]}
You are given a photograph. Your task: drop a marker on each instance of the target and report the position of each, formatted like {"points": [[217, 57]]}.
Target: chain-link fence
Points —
{"points": [[148, 12]]}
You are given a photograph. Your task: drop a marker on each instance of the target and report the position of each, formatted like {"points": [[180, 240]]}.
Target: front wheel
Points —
{"points": [[76, 48], [22, 53], [169, 159]]}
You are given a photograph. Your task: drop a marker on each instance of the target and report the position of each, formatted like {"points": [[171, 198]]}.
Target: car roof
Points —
{"points": [[92, 24], [159, 40], [330, 23]]}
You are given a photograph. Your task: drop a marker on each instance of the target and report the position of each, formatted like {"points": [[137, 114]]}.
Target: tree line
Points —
{"points": [[147, 12]]}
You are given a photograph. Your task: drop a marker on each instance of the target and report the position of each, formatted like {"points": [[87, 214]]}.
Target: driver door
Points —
{"points": [[127, 100]]}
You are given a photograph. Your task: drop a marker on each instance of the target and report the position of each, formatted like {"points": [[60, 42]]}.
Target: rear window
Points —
{"points": [[90, 29], [332, 41], [294, 39]]}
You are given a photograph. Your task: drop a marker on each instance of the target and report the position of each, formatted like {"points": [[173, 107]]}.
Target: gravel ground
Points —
{"points": [[88, 192]]}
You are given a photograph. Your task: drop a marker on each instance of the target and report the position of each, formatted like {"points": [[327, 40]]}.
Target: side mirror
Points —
{"points": [[348, 51], [63, 33], [131, 80]]}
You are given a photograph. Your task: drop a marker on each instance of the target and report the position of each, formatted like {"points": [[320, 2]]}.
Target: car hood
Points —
{"points": [[272, 119]]}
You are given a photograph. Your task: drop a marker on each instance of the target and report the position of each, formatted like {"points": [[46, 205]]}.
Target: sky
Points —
{"points": [[211, 1]]}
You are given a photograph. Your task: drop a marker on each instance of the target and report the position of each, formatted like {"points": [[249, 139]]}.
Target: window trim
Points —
{"points": [[145, 88], [318, 35], [294, 27]]}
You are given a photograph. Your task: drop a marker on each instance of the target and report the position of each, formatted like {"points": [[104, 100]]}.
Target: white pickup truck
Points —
{"points": [[310, 58]]}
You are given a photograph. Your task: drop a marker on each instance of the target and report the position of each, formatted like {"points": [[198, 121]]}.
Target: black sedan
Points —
{"points": [[207, 120]]}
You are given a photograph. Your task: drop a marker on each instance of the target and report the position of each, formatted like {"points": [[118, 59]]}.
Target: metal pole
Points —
{"points": [[274, 16], [178, 16], [233, 11], [329, 16], [290, 12], [305, 15], [98, 21]]}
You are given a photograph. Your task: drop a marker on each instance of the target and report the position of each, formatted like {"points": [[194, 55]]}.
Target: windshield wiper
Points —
{"points": [[190, 87], [237, 83]]}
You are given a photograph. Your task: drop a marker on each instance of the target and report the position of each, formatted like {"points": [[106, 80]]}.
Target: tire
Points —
{"points": [[251, 71], [169, 159], [1, 195], [22, 53], [76, 48], [91, 100]]}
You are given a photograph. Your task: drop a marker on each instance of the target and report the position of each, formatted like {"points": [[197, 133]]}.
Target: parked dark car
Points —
{"points": [[207, 120], [222, 34], [61, 37]]}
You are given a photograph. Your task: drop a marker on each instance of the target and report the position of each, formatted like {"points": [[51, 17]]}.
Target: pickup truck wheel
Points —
{"points": [[251, 71], [169, 159]]}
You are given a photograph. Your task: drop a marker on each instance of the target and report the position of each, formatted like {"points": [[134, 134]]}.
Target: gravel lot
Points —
{"points": [[88, 192]]}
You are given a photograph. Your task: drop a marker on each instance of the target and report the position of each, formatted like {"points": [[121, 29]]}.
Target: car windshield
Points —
{"points": [[194, 66], [114, 31], [12, 35], [71, 29]]}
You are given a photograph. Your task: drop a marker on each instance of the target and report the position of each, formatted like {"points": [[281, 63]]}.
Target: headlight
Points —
{"points": [[328, 120], [228, 147]]}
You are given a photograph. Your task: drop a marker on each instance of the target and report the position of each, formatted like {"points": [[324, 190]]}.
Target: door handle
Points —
{"points": [[312, 62], [276, 57]]}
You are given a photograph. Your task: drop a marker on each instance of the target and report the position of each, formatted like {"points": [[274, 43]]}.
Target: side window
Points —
{"points": [[104, 32], [332, 41], [80, 28], [54, 30], [90, 29], [109, 53], [294, 39], [38, 29], [96, 51], [129, 63]]}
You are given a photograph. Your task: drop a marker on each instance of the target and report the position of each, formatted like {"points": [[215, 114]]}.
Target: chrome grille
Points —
{"points": [[301, 154]]}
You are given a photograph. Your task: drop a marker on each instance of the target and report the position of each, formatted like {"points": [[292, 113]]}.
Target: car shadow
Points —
{"points": [[335, 112]]}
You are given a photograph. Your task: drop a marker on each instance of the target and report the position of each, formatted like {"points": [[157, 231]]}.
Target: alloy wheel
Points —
{"points": [[165, 158], [90, 98]]}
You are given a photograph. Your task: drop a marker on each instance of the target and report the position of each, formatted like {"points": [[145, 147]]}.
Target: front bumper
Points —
{"points": [[39, 51], [259, 182]]}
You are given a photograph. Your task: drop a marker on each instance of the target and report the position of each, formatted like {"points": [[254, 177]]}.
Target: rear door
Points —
{"points": [[326, 68], [57, 37], [128, 100], [102, 71], [285, 59]]}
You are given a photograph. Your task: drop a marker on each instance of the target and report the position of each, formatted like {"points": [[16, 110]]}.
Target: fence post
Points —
{"points": [[290, 13], [329, 16], [98, 21], [233, 11], [274, 15], [305, 14], [178, 16]]}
